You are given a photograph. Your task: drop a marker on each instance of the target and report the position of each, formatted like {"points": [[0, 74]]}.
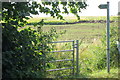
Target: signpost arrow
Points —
{"points": [[106, 6], [103, 6]]}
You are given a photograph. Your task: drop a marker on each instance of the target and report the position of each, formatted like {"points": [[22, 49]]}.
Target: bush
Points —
{"points": [[23, 51], [113, 48], [95, 57]]}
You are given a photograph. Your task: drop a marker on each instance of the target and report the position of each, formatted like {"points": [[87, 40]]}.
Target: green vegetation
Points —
{"points": [[78, 31], [93, 47], [101, 74], [104, 74], [23, 49]]}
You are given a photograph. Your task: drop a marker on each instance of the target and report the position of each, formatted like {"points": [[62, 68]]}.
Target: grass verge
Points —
{"points": [[101, 74]]}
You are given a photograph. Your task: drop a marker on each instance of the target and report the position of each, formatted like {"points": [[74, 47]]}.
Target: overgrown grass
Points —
{"points": [[101, 74]]}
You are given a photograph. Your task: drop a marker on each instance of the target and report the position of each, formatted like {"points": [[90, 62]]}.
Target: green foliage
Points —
{"points": [[100, 57], [113, 47], [67, 7], [24, 50], [103, 74], [98, 60]]}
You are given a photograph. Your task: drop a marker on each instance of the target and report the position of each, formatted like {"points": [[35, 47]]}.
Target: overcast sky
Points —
{"points": [[93, 10]]}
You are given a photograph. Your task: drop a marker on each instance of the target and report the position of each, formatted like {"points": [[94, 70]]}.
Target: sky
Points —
{"points": [[93, 10], [119, 7]]}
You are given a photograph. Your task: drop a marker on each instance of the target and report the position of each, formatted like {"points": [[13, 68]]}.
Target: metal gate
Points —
{"points": [[62, 66]]}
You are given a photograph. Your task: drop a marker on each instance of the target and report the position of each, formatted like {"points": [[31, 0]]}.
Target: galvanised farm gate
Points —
{"points": [[63, 63]]}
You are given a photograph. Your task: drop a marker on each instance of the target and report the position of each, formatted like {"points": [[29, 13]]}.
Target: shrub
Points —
{"points": [[95, 57], [113, 48], [23, 51]]}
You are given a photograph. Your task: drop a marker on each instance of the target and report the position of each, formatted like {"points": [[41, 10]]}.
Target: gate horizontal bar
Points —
{"points": [[61, 51], [62, 41], [61, 60], [60, 69]]}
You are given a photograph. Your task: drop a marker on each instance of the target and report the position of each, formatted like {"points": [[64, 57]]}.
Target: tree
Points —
{"points": [[15, 12], [23, 50]]}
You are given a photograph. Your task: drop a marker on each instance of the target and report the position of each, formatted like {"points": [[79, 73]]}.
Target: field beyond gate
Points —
{"points": [[62, 63], [92, 51]]}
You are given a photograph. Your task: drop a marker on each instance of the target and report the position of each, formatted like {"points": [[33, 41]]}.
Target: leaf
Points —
{"points": [[40, 53], [27, 18]]}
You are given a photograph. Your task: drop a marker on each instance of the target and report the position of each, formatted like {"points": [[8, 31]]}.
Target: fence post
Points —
{"points": [[77, 57], [73, 56], [44, 60]]}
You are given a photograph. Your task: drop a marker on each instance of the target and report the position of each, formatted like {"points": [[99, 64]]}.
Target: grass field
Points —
{"points": [[90, 34], [70, 19], [88, 31]]}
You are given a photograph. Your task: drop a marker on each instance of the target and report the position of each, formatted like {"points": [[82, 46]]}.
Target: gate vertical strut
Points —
{"points": [[73, 56], [77, 57]]}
